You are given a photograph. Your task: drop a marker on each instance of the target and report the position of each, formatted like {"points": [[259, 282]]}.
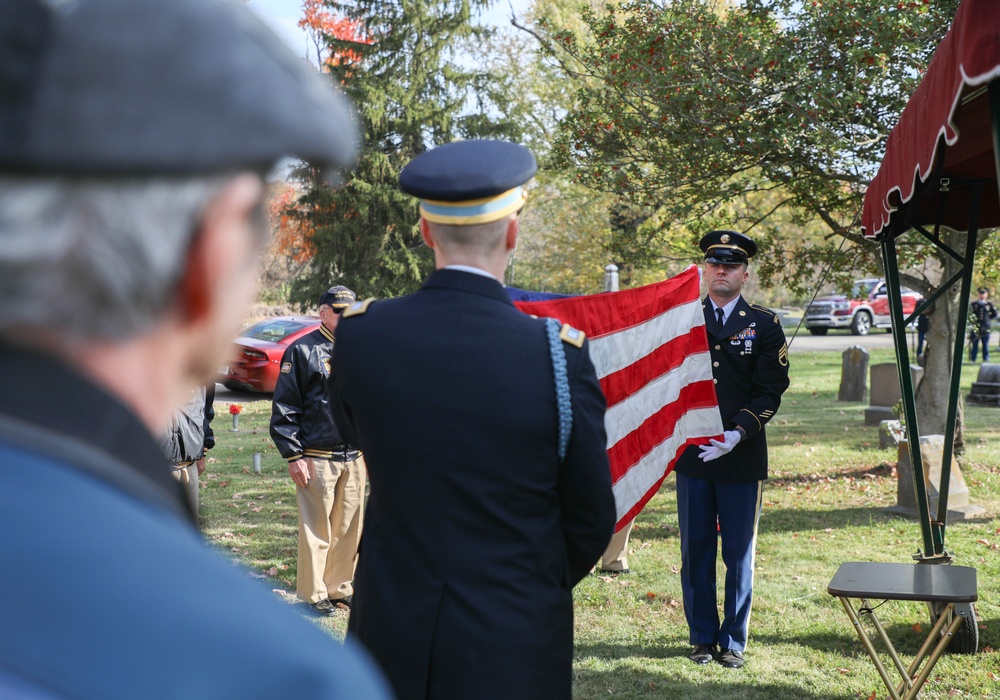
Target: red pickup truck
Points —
{"points": [[866, 308]]}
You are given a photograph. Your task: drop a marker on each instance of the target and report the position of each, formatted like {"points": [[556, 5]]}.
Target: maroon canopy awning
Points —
{"points": [[944, 130]]}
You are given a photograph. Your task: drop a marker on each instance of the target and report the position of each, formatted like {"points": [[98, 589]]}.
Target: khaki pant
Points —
{"points": [[615, 557], [188, 475], [331, 509]]}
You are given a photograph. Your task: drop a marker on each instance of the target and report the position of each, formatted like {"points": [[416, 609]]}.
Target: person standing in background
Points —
{"points": [[188, 439], [982, 312], [329, 474]]}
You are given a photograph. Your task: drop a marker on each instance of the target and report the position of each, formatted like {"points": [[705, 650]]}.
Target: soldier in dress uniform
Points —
{"points": [[982, 313], [719, 485], [483, 430]]}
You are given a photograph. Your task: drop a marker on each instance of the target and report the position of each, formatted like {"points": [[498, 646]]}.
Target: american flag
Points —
{"points": [[650, 351]]}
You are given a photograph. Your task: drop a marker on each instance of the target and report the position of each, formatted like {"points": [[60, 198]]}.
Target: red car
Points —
{"points": [[258, 350]]}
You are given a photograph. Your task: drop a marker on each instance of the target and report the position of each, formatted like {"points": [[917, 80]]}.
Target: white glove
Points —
{"points": [[717, 448]]}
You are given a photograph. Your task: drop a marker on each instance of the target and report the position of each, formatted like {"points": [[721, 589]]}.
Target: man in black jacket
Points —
{"points": [[488, 504], [719, 485], [329, 474]]}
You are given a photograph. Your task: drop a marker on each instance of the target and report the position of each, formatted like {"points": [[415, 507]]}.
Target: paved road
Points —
{"points": [[839, 340]]}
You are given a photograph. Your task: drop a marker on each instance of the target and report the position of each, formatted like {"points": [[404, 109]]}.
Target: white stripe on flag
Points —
{"points": [[615, 351], [632, 486]]}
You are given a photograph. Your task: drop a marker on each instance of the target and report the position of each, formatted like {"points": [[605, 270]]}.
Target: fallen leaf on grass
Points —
{"points": [[916, 627], [992, 676], [223, 484], [955, 692], [845, 671], [273, 571], [650, 595]]}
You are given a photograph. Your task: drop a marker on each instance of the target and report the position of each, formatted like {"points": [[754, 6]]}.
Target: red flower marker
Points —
{"points": [[234, 409]]}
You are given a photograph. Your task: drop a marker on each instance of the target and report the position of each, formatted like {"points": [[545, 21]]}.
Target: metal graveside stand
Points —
{"points": [[947, 586]]}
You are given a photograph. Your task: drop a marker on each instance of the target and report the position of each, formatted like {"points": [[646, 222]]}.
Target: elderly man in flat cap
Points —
{"points": [[719, 485], [483, 431], [329, 473], [134, 135]]}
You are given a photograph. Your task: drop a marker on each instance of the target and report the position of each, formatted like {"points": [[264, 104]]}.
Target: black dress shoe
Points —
{"points": [[341, 602], [730, 658], [702, 653], [323, 607]]}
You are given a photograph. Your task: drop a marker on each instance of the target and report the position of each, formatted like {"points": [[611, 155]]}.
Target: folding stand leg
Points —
{"points": [[910, 684], [942, 644], [869, 647]]}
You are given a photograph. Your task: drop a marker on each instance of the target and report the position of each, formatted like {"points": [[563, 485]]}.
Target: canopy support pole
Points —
{"points": [[891, 265]]}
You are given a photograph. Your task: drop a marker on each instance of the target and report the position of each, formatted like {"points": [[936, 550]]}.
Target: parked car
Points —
{"points": [[258, 349], [867, 307]]}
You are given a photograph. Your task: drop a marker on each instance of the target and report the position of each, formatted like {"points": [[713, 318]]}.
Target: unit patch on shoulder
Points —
{"points": [[358, 308], [572, 335], [286, 367]]}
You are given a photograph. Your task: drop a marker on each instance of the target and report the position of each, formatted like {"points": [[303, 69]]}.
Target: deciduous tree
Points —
{"points": [[769, 116]]}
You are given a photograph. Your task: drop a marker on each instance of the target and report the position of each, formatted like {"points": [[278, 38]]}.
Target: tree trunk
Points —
{"points": [[932, 395]]}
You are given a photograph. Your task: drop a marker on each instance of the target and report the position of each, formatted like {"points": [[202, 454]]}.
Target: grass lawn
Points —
{"points": [[824, 504]]}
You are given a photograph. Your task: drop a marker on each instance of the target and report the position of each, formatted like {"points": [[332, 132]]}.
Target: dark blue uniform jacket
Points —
{"points": [[750, 367], [475, 534]]}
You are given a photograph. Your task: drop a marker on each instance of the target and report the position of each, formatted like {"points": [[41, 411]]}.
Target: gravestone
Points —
{"points": [[854, 375], [986, 388], [885, 384], [890, 432], [885, 392], [931, 453]]}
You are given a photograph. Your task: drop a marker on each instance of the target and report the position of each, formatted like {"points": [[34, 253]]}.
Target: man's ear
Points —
{"points": [[222, 248], [425, 232], [513, 228]]}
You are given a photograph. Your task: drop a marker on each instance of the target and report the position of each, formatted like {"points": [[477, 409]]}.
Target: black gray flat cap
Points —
{"points": [[111, 87]]}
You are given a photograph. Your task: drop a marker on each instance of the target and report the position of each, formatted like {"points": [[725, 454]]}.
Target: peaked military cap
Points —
{"points": [[469, 182], [338, 297], [727, 247], [97, 87], [983, 290]]}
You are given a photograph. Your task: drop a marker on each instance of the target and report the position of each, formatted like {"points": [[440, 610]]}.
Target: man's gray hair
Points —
{"points": [[95, 259]]}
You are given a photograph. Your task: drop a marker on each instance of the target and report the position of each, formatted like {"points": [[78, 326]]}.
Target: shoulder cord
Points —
{"points": [[558, 353]]}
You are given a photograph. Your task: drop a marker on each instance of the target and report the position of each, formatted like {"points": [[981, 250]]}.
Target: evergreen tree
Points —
{"points": [[407, 71]]}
